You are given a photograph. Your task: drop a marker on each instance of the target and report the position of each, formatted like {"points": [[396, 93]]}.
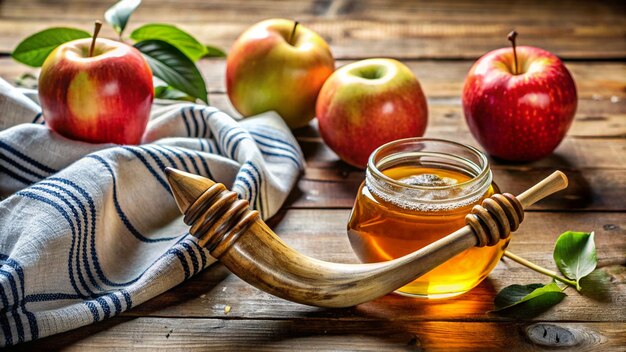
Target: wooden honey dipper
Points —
{"points": [[237, 237]]}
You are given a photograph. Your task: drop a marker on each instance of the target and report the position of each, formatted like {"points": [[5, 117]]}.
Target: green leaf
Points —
{"points": [[214, 52], [34, 50], [171, 93], [575, 255], [527, 300], [117, 15], [172, 35], [174, 68]]}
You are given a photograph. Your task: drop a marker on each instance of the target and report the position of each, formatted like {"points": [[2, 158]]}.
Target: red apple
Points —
{"points": [[368, 103], [104, 98], [278, 65], [523, 114]]}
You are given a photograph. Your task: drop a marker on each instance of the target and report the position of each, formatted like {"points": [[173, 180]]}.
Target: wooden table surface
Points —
{"points": [[439, 42]]}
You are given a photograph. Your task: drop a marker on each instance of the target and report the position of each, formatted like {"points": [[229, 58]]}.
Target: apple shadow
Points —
{"points": [[577, 196]]}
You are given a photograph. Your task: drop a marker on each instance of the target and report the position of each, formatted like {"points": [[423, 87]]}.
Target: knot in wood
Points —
{"points": [[495, 218], [218, 218]]}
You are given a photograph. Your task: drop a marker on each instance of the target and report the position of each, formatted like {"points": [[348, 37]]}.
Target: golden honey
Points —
{"points": [[414, 198]]}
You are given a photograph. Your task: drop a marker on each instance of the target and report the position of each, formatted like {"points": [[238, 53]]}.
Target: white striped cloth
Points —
{"points": [[88, 231]]}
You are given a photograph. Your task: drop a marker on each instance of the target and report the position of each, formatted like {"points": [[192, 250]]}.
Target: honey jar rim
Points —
{"points": [[372, 167]]}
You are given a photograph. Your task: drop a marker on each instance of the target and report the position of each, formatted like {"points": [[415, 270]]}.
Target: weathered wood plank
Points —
{"points": [[245, 11], [151, 334], [598, 81], [207, 294], [572, 153], [355, 29], [601, 110], [589, 189]]}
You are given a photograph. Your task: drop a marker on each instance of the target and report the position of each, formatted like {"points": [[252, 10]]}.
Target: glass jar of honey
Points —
{"points": [[415, 192]]}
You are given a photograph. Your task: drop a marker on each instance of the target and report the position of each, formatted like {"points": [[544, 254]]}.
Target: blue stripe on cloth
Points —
{"points": [[256, 185], [203, 119], [35, 120], [201, 250], [290, 152], [84, 238], [6, 329], [248, 187], [92, 230], [4, 298], [221, 138], [105, 307], [184, 118], [258, 182], [195, 121], [17, 177], [93, 310], [204, 164], [235, 145], [121, 213], [129, 301], [116, 302], [171, 161], [209, 145], [193, 256], [280, 156], [74, 249], [273, 139], [228, 137], [182, 259], [177, 155], [21, 167], [191, 158], [32, 320], [201, 144], [261, 193], [26, 158], [177, 152], [148, 166], [67, 218], [44, 297]]}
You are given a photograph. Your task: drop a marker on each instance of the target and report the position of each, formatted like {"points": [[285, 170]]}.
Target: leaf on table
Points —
{"points": [[34, 50], [117, 15], [526, 301], [214, 52], [575, 255], [182, 40], [174, 68]]}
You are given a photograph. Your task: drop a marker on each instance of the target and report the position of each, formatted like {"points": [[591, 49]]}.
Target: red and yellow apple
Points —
{"points": [[519, 113], [368, 103], [104, 98], [268, 68]]}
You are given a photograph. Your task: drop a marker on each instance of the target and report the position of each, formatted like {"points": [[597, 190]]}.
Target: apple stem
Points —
{"points": [[96, 30], [293, 31], [512, 36]]}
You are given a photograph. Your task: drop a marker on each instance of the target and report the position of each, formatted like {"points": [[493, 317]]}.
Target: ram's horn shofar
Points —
{"points": [[237, 237]]}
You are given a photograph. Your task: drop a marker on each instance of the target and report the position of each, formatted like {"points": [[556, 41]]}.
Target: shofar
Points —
{"points": [[238, 238]]}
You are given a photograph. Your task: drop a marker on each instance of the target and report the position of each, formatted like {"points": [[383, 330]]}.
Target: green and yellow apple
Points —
{"points": [[100, 98], [278, 65], [366, 104]]}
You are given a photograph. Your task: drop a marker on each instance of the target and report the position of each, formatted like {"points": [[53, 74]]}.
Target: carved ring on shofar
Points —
{"points": [[237, 237]]}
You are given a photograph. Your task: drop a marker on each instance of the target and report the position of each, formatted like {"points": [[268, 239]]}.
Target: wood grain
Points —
{"points": [[207, 294], [439, 41], [597, 81], [589, 190], [358, 29], [148, 334]]}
